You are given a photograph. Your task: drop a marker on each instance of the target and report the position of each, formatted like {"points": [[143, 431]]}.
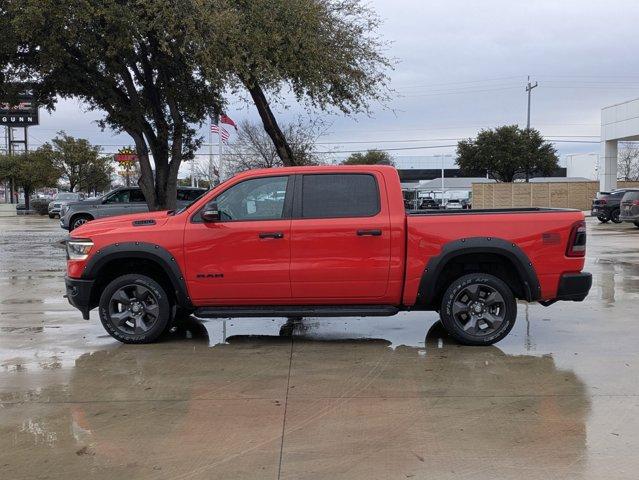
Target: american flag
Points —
{"points": [[221, 131]]}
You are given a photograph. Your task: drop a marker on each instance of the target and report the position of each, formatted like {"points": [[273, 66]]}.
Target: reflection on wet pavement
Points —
{"points": [[351, 398]]}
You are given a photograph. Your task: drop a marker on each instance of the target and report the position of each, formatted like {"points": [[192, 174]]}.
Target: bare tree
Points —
{"points": [[253, 147], [628, 162], [207, 172]]}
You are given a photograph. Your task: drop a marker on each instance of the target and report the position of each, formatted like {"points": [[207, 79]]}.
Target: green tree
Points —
{"points": [[30, 170], [507, 153], [324, 52], [371, 157], [136, 60], [157, 67], [75, 158], [98, 177]]}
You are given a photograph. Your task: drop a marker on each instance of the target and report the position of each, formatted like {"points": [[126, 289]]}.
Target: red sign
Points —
{"points": [[126, 157]]}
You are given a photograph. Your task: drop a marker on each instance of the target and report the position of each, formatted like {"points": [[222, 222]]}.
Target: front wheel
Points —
{"points": [[78, 221], [134, 309], [478, 309]]}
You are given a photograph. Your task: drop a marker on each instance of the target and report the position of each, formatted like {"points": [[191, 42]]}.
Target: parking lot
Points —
{"points": [[370, 398]]}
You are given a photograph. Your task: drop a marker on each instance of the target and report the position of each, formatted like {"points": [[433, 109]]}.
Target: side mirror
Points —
{"points": [[210, 213]]}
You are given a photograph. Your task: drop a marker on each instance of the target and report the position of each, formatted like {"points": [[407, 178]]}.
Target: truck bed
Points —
{"points": [[443, 211]]}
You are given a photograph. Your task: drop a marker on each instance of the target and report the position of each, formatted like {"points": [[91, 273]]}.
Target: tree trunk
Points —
{"points": [[270, 123], [27, 200]]}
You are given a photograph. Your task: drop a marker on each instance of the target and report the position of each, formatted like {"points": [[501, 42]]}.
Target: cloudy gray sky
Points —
{"points": [[462, 66]]}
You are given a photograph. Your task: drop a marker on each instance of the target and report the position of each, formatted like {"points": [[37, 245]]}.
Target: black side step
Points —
{"points": [[298, 311]]}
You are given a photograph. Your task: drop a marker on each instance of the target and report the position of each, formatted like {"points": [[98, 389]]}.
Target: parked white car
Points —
{"points": [[454, 204]]}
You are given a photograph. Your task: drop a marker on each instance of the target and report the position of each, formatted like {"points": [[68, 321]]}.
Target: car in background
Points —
{"points": [[61, 199], [429, 203], [454, 204], [629, 211], [606, 206], [121, 201]]}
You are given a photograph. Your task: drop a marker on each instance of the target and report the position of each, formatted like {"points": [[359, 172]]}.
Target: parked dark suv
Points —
{"points": [[429, 204], [607, 205], [120, 201], [630, 207]]}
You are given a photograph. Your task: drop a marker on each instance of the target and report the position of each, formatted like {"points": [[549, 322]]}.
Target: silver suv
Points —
{"points": [[60, 200], [117, 202]]}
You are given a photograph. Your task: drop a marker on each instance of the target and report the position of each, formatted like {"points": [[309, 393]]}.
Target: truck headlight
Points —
{"points": [[78, 249]]}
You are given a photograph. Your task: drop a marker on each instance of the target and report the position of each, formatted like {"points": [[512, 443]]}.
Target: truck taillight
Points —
{"points": [[602, 202], [577, 240], [635, 202]]}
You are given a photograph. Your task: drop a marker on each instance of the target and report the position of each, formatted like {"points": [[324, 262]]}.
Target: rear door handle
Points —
{"points": [[271, 235], [372, 233]]}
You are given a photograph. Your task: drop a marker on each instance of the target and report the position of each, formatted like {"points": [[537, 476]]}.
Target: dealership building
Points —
{"points": [[619, 123]]}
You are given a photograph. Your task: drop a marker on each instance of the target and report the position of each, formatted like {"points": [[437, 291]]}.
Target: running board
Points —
{"points": [[298, 311]]}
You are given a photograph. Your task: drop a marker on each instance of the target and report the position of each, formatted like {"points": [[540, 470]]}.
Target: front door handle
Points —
{"points": [[271, 235], [372, 233]]}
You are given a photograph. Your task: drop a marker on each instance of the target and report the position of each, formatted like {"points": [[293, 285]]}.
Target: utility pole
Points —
{"points": [[529, 89]]}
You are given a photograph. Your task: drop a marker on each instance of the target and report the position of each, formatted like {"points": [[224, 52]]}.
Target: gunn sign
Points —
{"points": [[22, 114]]}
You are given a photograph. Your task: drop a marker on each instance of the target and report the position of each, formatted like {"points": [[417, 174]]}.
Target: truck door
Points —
{"points": [[340, 238], [245, 257]]}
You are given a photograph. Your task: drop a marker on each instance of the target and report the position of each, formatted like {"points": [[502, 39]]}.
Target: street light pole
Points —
{"points": [[529, 89]]}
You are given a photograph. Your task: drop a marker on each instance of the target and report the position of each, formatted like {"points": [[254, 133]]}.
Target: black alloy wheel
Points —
{"points": [[478, 309], [134, 309]]}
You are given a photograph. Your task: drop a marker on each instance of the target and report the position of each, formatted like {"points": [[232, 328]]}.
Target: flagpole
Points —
{"points": [[210, 153], [221, 167]]}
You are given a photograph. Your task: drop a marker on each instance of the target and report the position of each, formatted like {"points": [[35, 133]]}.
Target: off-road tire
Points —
{"points": [[603, 218], [485, 282], [156, 296]]}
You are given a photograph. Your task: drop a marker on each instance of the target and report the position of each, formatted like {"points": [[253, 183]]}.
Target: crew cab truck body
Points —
{"points": [[323, 241]]}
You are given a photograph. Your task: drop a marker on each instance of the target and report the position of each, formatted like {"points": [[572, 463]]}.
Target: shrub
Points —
{"points": [[41, 207]]}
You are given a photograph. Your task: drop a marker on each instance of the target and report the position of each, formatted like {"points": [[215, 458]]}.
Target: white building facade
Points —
{"points": [[619, 123]]}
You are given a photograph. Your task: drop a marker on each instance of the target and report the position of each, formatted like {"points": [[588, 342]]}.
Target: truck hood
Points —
{"points": [[135, 220]]}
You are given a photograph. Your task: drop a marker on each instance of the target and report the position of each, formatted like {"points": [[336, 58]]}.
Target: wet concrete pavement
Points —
{"points": [[348, 398]]}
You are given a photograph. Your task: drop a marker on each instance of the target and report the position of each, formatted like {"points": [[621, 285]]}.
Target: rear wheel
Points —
{"points": [[134, 309], [637, 224], [478, 309], [614, 216], [603, 218]]}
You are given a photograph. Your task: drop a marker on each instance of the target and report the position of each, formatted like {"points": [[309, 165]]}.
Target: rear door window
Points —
{"points": [[339, 195]]}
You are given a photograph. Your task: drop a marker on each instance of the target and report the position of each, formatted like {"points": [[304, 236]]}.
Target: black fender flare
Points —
{"points": [[497, 246], [139, 250]]}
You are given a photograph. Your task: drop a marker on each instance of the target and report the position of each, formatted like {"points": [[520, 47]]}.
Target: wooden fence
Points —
{"points": [[577, 195]]}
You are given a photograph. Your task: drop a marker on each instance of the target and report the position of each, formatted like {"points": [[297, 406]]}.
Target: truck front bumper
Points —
{"points": [[79, 294], [574, 286]]}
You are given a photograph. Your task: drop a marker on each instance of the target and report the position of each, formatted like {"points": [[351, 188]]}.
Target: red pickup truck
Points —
{"points": [[323, 241]]}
